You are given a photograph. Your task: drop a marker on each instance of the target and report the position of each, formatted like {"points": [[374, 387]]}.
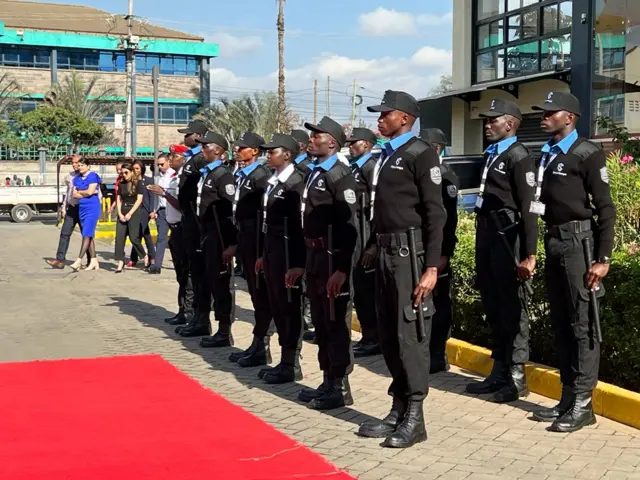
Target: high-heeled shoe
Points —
{"points": [[93, 265], [120, 270], [75, 266], [147, 262]]}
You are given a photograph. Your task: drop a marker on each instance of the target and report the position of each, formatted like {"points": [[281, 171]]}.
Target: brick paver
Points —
{"points": [[50, 314]]}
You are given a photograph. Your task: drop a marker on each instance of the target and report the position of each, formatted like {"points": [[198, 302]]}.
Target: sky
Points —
{"points": [[381, 44]]}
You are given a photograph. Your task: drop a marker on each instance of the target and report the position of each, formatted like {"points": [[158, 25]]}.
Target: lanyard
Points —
{"points": [[265, 201], [303, 204], [376, 174], [200, 184], [239, 184], [547, 159], [485, 173], [178, 177]]}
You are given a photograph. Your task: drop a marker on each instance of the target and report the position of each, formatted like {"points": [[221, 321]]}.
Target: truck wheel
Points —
{"points": [[21, 213]]}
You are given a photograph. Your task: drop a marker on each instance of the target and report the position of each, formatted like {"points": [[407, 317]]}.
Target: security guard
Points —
{"points": [[303, 160], [187, 192], [443, 318], [328, 206], [506, 235], [361, 143], [572, 187], [284, 255], [406, 203], [216, 191], [251, 183]]}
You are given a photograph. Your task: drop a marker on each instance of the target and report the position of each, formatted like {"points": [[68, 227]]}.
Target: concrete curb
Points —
{"points": [[608, 400]]}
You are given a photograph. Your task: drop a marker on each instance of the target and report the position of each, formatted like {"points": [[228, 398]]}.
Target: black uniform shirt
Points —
{"points": [[302, 163], [188, 177], [511, 184], [409, 193], [363, 169], [284, 195], [216, 189], [331, 200], [450, 187], [575, 188], [251, 182]]}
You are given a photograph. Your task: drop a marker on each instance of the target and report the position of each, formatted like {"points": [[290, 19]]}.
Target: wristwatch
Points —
{"points": [[605, 260]]}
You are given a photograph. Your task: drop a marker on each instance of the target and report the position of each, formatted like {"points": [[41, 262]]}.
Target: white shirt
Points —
{"points": [[173, 214], [164, 181]]}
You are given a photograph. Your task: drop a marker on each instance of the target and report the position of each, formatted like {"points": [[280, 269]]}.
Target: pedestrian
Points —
{"points": [[27, 181], [283, 256], [251, 182], [361, 144], [216, 192], [7, 181], [70, 212], [506, 234], [128, 207], [406, 203], [168, 191], [188, 179], [328, 208], [118, 167], [86, 189], [442, 321], [159, 213], [573, 187], [146, 214]]}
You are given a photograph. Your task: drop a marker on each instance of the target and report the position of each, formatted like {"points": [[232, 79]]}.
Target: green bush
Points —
{"points": [[620, 310]]}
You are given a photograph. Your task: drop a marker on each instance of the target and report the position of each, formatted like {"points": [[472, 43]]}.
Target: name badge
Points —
{"points": [[537, 207], [479, 202]]}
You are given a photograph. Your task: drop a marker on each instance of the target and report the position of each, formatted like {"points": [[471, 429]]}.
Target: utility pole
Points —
{"points": [[328, 96], [155, 79], [315, 101], [281, 89], [130, 47], [353, 105]]}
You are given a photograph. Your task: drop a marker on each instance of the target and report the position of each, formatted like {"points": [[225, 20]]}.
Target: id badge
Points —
{"points": [[538, 208], [479, 202]]}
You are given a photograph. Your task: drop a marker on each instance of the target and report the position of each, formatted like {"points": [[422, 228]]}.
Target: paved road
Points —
{"points": [[51, 314]]}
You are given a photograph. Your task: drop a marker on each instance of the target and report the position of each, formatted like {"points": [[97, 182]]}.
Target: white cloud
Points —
{"points": [[432, 57], [231, 45], [383, 22]]}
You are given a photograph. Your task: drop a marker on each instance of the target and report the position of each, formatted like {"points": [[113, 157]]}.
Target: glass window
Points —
{"points": [[167, 114], [192, 66], [43, 58], [182, 114], [490, 66], [490, 8], [490, 34], [193, 109], [522, 60], [514, 29], [180, 65], [76, 60], [92, 60], [566, 15], [106, 62], [556, 53], [549, 19], [530, 24], [166, 66], [142, 114], [11, 56], [152, 61], [515, 4], [121, 63], [63, 59]]}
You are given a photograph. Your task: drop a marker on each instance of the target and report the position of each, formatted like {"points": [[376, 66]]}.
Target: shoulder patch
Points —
{"points": [[452, 190], [531, 179], [604, 174], [230, 189], [436, 175], [350, 196]]}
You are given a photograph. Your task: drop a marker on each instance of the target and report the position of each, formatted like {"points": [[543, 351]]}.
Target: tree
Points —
{"points": [[85, 99], [258, 113], [9, 93], [281, 90], [445, 85]]}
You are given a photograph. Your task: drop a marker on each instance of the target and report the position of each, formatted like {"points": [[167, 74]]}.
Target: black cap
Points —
{"points": [[195, 126], [213, 137], [280, 140], [502, 107], [330, 126], [250, 140], [401, 101], [433, 135], [363, 134], [300, 136], [560, 101]]}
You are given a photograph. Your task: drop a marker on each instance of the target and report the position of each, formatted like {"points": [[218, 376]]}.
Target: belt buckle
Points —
{"points": [[578, 227], [403, 251]]}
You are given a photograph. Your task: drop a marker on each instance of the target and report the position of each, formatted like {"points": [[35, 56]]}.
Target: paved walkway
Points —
{"points": [[51, 314]]}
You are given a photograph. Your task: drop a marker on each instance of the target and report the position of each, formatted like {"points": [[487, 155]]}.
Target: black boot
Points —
{"points": [[261, 355], [180, 319], [222, 338], [497, 379], [235, 356], [288, 371], [439, 363], [338, 395], [412, 429], [199, 326], [168, 320], [264, 371], [578, 416], [309, 336], [553, 413], [308, 394], [364, 349], [517, 387], [385, 427]]}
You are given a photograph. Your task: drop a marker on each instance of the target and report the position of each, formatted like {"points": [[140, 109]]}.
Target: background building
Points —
{"points": [[41, 43], [522, 49]]}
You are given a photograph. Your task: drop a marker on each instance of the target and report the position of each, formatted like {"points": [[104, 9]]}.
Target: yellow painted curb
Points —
{"points": [[608, 400]]}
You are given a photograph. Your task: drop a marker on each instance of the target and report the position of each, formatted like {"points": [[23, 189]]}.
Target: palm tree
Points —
{"points": [[281, 93], [9, 93]]}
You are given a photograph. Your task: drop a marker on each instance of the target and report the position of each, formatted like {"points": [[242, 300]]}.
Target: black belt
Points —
{"points": [[569, 228], [273, 229], [392, 240], [314, 242]]}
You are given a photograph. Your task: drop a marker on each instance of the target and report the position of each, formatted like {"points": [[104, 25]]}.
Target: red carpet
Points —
{"points": [[127, 418]]}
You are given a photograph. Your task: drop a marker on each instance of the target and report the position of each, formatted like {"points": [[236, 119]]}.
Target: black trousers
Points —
{"points": [[442, 321], [130, 229], [364, 287], [217, 280], [196, 264], [332, 337], [502, 293], [145, 234], [247, 244], [286, 315], [577, 348], [407, 359], [181, 266], [71, 219]]}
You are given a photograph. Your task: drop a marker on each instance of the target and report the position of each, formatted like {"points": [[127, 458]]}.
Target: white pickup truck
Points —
{"points": [[24, 202]]}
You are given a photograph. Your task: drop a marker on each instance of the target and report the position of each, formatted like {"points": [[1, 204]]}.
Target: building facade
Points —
{"points": [[41, 44], [522, 49]]}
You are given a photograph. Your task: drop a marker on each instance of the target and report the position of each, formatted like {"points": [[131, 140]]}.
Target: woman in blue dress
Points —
{"points": [[86, 187]]}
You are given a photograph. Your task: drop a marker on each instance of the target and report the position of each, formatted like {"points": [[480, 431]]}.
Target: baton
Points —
{"points": [[588, 258], [363, 225], [332, 306], [233, 275], [496, 222], [411, 236], [286, 253], [258, 230]]}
